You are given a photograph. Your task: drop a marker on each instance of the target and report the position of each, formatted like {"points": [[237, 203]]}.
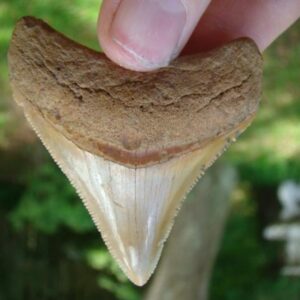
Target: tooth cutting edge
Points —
{"points": [[137, 249]]}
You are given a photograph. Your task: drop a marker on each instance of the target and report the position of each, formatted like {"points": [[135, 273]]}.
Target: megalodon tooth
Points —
{"points": [[132, 144]]}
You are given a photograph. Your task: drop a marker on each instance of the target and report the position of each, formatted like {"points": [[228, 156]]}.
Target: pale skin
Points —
{"points": [[144, 35]]}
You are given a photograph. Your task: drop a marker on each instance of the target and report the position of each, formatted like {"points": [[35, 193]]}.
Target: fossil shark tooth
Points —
{"points": [[132, 144]]}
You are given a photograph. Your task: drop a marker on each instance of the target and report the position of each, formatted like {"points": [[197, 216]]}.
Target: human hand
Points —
{"points": [[144, 35]]}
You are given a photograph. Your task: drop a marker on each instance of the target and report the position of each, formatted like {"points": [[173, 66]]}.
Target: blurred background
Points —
{"points": [[49, 248]]}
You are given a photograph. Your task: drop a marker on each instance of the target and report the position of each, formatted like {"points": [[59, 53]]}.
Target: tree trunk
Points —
{"points": [[185, 268]]}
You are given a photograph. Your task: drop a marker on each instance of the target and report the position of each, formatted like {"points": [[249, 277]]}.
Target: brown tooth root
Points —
{"points": [[133, 118], [132, 143]]}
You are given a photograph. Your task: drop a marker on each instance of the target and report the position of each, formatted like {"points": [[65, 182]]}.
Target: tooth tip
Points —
{"points": [[139, 279], [139, 264]]}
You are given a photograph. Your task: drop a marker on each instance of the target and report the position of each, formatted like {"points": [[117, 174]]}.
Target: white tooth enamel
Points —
{"points": [[133, 208]]}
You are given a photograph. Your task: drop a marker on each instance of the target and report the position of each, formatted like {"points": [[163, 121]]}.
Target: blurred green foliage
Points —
{"points": [[248, 267], [100, 260], [49, 246], [40, 203]]}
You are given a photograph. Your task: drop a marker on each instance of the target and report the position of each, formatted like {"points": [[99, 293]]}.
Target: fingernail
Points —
{"points": [[149, 30]]}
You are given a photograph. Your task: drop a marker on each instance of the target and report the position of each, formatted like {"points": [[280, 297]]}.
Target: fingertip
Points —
{"points": [[140, 35], [146, 35], [109, 47]]}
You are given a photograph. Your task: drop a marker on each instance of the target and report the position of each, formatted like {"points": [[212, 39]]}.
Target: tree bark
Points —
{"points": [[185, 268]]}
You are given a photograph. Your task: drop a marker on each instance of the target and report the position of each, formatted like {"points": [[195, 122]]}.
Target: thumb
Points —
{"points": [[143, 35]]}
